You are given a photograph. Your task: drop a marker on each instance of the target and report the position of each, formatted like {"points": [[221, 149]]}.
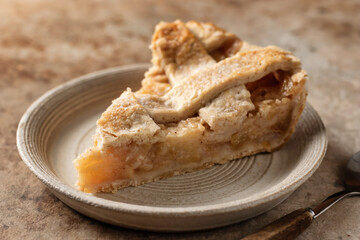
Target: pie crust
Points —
{"points": [[208, 98]]}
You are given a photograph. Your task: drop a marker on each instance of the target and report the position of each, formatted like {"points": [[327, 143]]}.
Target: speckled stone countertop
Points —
{"points": [[46, 43]]}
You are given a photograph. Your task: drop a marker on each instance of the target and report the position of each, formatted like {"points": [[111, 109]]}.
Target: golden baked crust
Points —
{"points": [[208, 98]]}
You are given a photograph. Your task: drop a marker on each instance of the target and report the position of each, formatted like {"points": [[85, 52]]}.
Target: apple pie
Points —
{"points": [[208, 98]]}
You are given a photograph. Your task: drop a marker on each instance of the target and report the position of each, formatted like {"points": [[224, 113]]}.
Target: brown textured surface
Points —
{"points": [[45, 43]]}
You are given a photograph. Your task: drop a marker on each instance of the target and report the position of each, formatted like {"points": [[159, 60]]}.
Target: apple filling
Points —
{"points": [[191, 142]]}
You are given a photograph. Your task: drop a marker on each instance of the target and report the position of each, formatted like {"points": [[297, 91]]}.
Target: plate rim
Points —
{"points": [[220, 208]]}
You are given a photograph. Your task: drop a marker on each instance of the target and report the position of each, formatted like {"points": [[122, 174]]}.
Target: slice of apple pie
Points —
{"points": [[208, 98]]}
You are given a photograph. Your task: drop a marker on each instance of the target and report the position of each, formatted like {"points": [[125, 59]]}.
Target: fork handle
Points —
{"points": [[288, 227]]}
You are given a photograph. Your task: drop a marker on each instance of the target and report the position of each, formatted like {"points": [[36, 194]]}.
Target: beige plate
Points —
{"points": [[60, 124]]}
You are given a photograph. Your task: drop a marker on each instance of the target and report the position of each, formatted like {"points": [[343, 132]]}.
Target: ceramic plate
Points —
{"points": [[60, 124]]}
